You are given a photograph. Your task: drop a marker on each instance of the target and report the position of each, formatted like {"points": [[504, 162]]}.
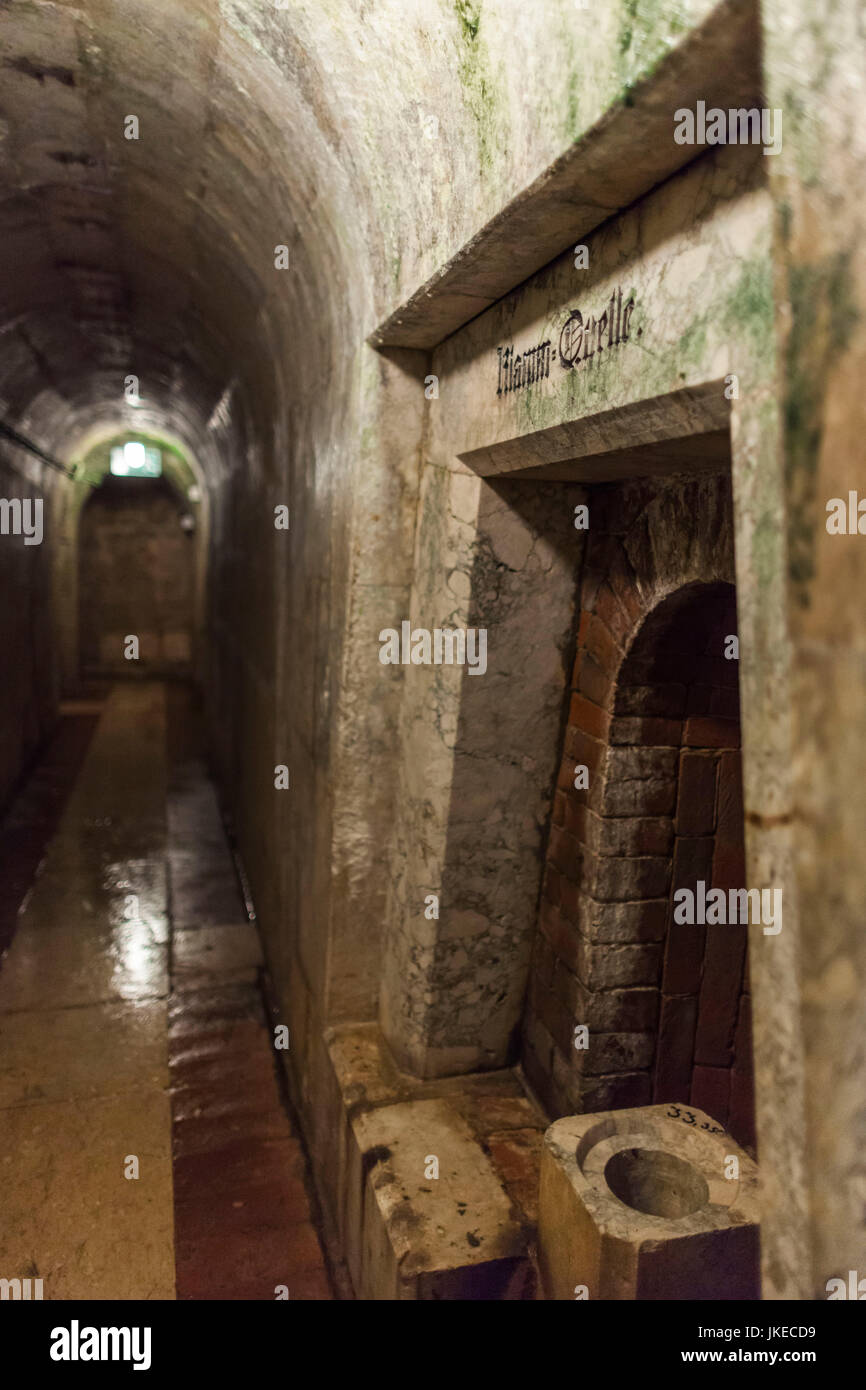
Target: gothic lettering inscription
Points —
{"points": [[581, 338], [522, 369]]}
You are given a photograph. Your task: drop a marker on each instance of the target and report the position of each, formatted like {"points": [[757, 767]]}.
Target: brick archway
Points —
{"points": [[654, 718]]}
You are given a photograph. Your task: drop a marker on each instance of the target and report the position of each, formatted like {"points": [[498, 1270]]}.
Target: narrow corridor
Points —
{"points": [[145, 1146], [432, 718]]}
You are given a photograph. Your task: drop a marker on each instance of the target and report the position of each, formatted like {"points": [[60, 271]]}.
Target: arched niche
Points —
{"points": [[648, 801]]}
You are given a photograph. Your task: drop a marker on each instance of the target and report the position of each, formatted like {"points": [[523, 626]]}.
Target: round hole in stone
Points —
{"points": [[656, 1182]]}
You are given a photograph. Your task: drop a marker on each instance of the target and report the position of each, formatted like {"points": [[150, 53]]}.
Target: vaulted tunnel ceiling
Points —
{"points": [[154, 256]]}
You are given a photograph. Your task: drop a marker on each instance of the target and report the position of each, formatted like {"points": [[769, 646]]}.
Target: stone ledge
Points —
{"points": [[628, 151], [468, 1234]]}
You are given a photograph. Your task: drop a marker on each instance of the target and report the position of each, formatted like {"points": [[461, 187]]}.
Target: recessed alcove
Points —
{"points": [[653, 718]]}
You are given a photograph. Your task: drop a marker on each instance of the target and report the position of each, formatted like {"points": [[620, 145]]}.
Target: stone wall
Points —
{"points": [[815, 1023]]}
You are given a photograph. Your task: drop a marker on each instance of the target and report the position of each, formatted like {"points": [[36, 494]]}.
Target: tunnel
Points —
{"points": [[343, 345], [181, 270]]}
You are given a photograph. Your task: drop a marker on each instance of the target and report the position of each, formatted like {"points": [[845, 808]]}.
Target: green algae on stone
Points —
{"points": [[469, 15], [477, 81], [750, 306], [692, 345], [649, 29], [823, 312]]}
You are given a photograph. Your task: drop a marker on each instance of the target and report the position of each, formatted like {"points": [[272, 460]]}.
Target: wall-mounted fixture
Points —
{"points": [[136, 460]]}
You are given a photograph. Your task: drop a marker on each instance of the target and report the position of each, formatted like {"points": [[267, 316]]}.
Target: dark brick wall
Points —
{"points": [[136, 577], [654, 716]]}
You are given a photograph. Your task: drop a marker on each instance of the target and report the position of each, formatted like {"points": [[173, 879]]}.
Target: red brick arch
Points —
{"points": [[654, 717]]}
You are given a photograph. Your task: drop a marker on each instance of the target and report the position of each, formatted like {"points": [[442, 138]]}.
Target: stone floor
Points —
{"points": [[146, 1151]]}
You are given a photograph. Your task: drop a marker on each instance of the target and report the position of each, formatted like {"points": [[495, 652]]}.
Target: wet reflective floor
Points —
{"points": [[145, 1147]]}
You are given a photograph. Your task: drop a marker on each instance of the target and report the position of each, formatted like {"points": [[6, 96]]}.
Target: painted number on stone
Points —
{"points": [[675, 1113]]}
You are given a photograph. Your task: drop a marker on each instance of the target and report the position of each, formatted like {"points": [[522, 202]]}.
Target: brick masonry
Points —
{"points": [[653, 715]]}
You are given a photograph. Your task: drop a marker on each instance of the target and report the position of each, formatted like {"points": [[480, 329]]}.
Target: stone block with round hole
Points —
{"points": [[658, 1202]]}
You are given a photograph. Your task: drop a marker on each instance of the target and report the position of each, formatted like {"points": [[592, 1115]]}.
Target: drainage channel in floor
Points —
{"points": [[146, 1151], [242, 1209]]}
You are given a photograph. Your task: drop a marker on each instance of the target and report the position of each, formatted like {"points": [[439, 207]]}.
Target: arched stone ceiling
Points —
{"points": [[371, 139]]}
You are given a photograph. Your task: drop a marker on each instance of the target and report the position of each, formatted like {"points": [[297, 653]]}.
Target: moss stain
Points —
{"points": [[823, 313], [749, 309], [473, 68], [469, 15], [692, 346], [648, 30]]}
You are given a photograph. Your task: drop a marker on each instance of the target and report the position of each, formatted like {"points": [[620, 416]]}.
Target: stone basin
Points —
{"points": [[647, 1204]]}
